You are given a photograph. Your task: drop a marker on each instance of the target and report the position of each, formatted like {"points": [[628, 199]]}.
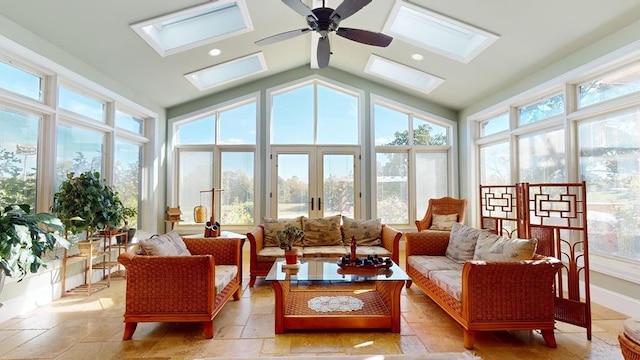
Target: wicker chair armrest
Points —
{"points": [[426, 243], [509, 291], [391, 241], [226, 251]]}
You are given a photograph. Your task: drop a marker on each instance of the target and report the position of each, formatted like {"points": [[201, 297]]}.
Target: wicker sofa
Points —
{"points": [[325, 237], [191, 286], [484, 295]]}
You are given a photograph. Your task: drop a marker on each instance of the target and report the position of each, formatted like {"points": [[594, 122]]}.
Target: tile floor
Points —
{"points": [[90, 327]]}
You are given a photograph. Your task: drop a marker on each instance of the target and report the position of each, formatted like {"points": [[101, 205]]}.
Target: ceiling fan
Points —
{"points": [[324, 20]]}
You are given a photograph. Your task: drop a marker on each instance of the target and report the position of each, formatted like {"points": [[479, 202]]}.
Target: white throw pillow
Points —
{"points": [[492, 247], [462, 242], [367, 232], [443, 222], [169, 244]]}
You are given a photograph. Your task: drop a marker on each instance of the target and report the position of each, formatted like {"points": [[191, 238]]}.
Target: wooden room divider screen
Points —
{"points": [[556, 215]]}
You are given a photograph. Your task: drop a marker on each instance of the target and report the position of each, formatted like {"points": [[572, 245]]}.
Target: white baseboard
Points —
{"points": [[614, 301]]}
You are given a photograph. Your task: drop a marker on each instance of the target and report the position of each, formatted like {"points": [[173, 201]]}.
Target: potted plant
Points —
{"points": [[128, 213], [287, 238], [88, 196], [25, 238]]}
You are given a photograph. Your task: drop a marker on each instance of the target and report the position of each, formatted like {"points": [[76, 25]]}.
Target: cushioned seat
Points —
{"points": [[629, 339]]}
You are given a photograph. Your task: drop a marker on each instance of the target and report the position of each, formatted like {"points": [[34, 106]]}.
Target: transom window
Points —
{"points": [[610, 86], [20, 81], [81, 104], [543, 109]]}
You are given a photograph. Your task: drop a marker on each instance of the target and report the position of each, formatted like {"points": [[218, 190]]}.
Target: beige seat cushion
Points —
{"points": [[224, 275]]}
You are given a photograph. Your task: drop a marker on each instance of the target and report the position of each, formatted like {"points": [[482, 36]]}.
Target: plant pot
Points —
{"points": [[130, 234], [88, 248], [291, 256]]}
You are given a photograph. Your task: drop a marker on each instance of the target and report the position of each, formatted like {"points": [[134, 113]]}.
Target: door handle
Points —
{"points": [[311, 204], [319, 204]]}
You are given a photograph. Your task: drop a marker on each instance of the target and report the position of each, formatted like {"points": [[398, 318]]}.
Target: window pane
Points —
{"points": [[194, 175], [20, 81], [391, 127], [77, 150], [609, 153], [432, 180], [129, 122], [337, 110], [542, 157], [495, 125], [200, 131], [238, 125], [392, 188], [541, 110], [292, 117], [338, 195], [126, 174], [18, 157], [426, 133], [237, 199], [495, 164], [81, 104], [611, 86]]}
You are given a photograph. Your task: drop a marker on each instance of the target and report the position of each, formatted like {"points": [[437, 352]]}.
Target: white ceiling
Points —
{"points": [[533, 35]]}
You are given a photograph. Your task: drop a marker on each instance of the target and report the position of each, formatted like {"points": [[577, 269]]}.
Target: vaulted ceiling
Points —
{"points": [[531, 36]]}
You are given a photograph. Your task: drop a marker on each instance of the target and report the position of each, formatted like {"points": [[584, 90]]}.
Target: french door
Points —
{"points": [[314, 181]]}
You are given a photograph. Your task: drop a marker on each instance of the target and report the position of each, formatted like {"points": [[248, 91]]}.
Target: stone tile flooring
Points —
{"points": [[91, 327]]}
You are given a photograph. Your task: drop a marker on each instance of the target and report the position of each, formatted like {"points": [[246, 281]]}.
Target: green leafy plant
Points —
{"points": [[88, 196], [25, 238], [289, 236], [128, 213]]}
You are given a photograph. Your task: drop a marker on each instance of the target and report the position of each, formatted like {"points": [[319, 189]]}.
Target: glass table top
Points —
{"points": [[327, 269]]}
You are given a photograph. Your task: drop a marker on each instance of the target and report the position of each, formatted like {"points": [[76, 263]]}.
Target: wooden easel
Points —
{"points": [[212, 227]]}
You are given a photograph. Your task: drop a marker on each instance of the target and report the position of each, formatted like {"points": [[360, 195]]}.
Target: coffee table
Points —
{"points": [[319, 295]]}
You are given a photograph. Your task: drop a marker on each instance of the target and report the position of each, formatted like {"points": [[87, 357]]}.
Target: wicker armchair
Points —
{"points": [[180, 288], [442, 206]]}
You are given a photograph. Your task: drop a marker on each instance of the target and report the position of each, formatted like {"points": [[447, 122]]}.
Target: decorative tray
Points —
{"points": [[370, 263]]}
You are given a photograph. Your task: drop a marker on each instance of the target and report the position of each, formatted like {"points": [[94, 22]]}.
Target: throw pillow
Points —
{"points": [[443, 222], [492, 247], [462, 242], [169, 244], [321, 232], [367, 232], [272, 226]]}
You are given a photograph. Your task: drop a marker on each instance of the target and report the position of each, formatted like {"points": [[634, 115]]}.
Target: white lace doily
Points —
{"points": [[335, 303]]}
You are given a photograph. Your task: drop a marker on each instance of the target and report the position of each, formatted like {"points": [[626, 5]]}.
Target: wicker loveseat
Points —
{"points": [[325, 237], [484, 295], [190, 286]]}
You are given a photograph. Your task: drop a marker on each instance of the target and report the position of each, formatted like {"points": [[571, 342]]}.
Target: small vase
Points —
{"points": [[291, 256]]}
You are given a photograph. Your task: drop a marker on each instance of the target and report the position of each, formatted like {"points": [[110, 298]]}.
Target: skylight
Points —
{"points": [[402, 74], [436, 32], [195, 26], [226, 72]]}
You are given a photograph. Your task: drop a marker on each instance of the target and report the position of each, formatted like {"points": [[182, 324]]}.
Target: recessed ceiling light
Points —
{"points": [[215, 52], [417, 57]]}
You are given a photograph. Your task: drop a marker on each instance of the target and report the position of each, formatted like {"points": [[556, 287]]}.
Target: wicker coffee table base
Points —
{"points": [[381, 308]]}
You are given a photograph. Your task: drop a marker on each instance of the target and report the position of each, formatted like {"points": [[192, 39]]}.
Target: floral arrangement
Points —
{"points": [[289, 236]]}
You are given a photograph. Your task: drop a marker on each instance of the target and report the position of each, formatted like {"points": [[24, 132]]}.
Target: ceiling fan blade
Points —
{"points": [[282, 36], [299, 7], [324, 52], [346, 9], [365, 36]]}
